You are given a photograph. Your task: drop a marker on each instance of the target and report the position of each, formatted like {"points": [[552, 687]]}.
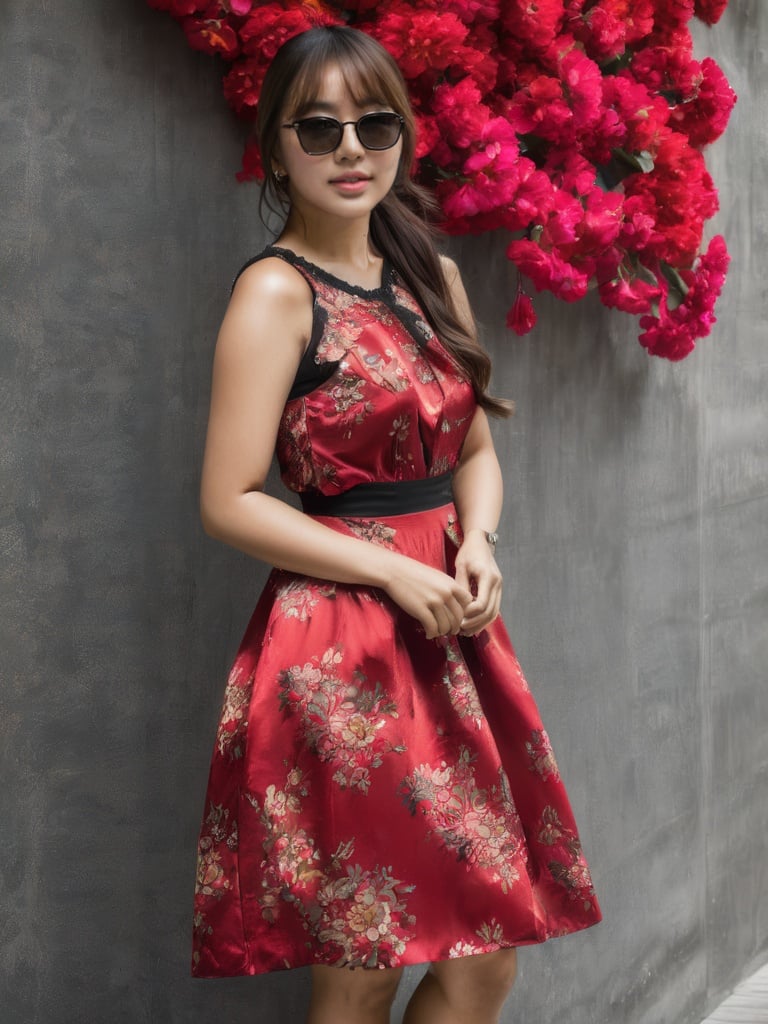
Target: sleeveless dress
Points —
{"points": [[377, 798]]}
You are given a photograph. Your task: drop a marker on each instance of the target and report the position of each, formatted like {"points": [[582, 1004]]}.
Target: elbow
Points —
{"points": [[220, 517], [210, 521], [213, 514]]}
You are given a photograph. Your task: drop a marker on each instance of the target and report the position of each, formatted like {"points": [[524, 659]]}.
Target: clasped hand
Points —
{"points": [[445, 605]]}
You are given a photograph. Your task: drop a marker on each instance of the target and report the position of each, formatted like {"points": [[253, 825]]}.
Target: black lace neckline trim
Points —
{"points": [[387, 274]]}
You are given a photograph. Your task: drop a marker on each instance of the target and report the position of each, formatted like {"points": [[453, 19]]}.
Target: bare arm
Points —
{"points": [[260, 343], [478, 494]]}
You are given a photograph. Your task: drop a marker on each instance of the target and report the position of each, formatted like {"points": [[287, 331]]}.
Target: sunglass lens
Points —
{"points": [[319, 135], [379, 131]]}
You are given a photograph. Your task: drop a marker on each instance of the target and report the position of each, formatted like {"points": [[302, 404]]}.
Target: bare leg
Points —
{"points": [[467, 990], [341, 995]]}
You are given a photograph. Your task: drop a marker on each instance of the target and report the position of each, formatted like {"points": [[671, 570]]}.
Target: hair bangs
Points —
{"points": [[367, 76]]}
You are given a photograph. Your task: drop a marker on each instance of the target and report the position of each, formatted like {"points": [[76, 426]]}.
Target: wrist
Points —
{"points": [[384, 566], [490, 537]]}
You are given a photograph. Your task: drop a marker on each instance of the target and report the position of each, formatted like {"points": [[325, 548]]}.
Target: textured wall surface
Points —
{"points": [[634, 546]]}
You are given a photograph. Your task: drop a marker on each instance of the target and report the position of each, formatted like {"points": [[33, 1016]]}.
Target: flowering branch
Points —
{"points": [[577, 125]]}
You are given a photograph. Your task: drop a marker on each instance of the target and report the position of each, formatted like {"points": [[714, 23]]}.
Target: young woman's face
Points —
{"points": [[350, 180]]}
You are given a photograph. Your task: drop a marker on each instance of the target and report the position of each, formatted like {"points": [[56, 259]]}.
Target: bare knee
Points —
{"points": [[360, 990], [477, 984]]}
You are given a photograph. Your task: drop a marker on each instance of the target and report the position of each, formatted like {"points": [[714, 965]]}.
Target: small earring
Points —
{"points": [[280, 178]]}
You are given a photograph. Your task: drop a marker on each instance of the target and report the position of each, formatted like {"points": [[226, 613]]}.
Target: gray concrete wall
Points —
{"points": [[634, 546]]}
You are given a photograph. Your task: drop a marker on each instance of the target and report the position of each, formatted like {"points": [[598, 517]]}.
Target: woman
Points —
{"points": [[382, 791]]}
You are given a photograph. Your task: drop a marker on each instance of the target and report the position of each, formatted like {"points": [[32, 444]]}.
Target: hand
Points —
{"points": [[477, 571], [429, 595]]}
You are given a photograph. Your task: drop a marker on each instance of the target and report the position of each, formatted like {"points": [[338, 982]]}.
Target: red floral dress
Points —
{"points": [[377, 798]]}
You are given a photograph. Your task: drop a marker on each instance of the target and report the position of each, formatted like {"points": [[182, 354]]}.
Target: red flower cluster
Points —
{"points": [[577, 125]]}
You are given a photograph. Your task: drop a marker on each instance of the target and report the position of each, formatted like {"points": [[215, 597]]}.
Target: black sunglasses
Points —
{"points": [[320, 135]]}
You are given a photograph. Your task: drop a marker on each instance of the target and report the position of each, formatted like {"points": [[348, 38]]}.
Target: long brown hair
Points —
{"points": [[401, 226]]}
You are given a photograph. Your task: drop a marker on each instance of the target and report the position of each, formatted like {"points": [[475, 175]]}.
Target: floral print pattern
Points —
{"points": [[298, 597], [218, 830], [372, 530], [341, 720], [541, 755], [359, 914], [480, 825], [453, 530], [233, 722], [388, 367], [458, 682], [491, 935], [347, 393], [567, 864]]}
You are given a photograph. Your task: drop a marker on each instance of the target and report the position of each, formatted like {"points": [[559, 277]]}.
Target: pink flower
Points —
{"points": [[540, 108], [582, 81], [679, 196], [611, 25], [533, 196], [427, 135], [211, 34], [642, 114], [479, 58], [548, 271], [473, 10], [568, 170], [601, 221], [669, 69], [704, 115], [672, 15], [252, 169], [271, 25], [419, 40], [459, 112], [629, 293], [710, 11], [489, 178], [242, 84], [238, 6], [673, 332], [521, 318], [534, 22], [637, 228]]}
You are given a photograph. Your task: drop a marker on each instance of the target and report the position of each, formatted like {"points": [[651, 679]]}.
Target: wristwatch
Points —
{"points": [[493, 540]]}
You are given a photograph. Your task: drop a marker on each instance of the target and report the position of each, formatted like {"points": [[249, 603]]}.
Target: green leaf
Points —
{"points": [[617, 64], [674, 279], [644, 273], [642, 161]]}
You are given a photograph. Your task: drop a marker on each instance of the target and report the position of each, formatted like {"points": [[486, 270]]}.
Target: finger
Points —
{"points": [[462, 577], [483, 595], [473, 624], [448, 616], [442, 623], [463, 595], [474, 610]]}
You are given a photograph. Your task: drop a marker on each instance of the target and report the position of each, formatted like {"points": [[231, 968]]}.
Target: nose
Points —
{"points": [[350, 146]]}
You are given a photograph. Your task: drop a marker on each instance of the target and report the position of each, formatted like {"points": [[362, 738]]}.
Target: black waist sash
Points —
{"points": [[393, 498]]}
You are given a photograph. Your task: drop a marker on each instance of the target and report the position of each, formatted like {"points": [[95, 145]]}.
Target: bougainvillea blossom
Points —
{"points": [[575, 125], [521, 318], [710, 11]]}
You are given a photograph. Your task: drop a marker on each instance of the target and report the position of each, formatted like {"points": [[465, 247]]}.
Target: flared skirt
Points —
{"points": [[377, 798]]}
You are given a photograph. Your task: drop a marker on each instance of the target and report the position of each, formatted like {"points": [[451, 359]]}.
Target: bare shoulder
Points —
{"points": [[458, 293], [270, 309], [450, 269], [271, 281]]}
